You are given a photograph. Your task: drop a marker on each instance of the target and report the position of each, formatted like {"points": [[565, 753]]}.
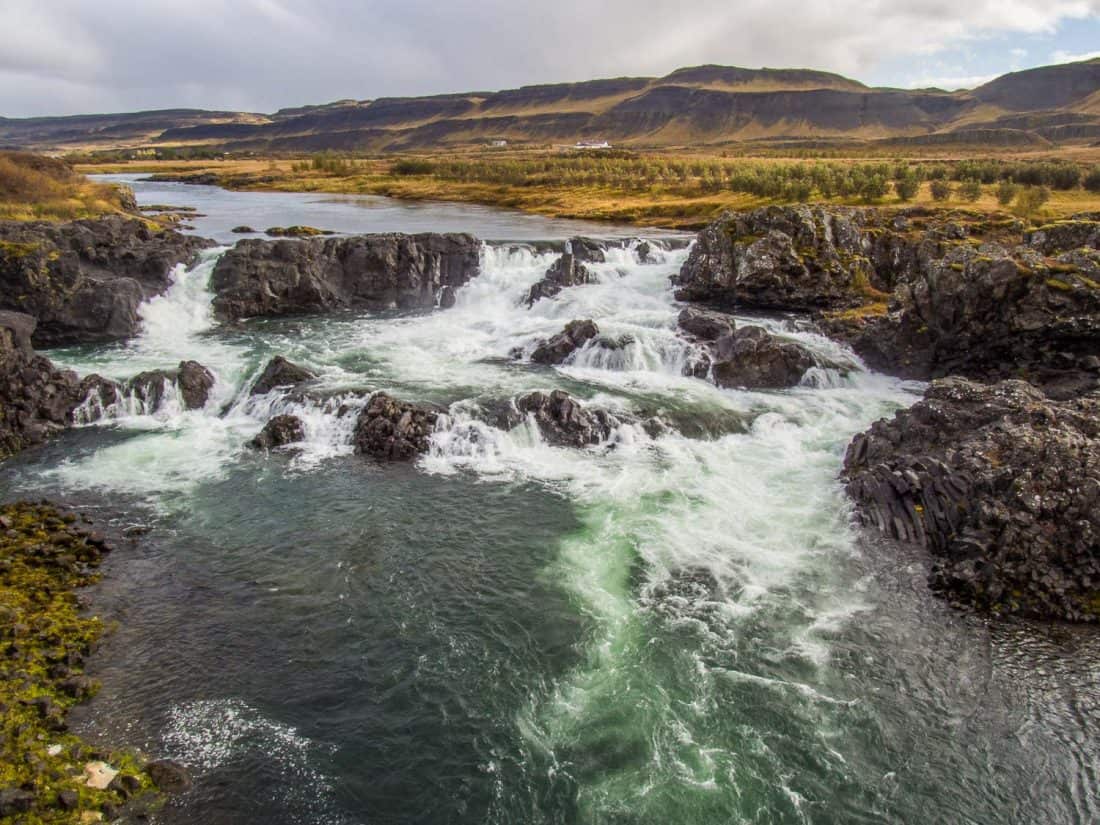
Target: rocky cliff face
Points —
{"points": [[263, 278], [1001, 484], [36, 399], [83, 281], [916, 293]]}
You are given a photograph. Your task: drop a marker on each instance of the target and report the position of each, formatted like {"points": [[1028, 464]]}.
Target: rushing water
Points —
{"points": [[673, 629]]}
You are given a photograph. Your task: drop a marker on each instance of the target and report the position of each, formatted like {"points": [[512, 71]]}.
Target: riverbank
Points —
{"points": [[672, 192], [47, 558]]}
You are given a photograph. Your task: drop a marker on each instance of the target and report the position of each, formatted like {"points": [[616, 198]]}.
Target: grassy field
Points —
{"points": [[33, 187], [678, 190]]}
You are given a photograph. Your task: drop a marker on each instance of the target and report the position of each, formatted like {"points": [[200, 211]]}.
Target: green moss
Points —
{"points": [[44, 560], [958, 267], [1054, 283]]}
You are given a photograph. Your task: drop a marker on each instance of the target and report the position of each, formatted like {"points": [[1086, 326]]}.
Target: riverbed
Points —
{"points": [[673, 628]]}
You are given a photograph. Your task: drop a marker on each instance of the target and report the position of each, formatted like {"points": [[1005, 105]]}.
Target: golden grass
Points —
{"points": [[678, 204], [33, 187]]}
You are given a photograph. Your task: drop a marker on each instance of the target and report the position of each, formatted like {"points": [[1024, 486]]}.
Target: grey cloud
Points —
{"points": [[264, 54]]}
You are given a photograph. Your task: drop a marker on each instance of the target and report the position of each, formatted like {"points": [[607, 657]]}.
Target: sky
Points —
{"points": [[74, 56]]}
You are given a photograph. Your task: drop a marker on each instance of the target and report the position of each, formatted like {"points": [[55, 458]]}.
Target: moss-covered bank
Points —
{"points": [[46, 773]]}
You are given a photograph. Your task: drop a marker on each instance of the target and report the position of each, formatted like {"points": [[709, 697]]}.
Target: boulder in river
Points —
{"points": [[280, 372], [297, 232], [705, 324], [569, 269], [278, 432], [169, 776], [83, 281], [394, 430], [266, 278], [752, 358], [562, 420], [1001, 483], [190, 378], [557, 349]]}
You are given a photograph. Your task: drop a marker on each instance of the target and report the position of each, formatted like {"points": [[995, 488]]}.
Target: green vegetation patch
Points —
{"points": [[44, 559]]}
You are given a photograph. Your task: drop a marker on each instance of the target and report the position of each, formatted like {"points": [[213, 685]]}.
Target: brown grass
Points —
{"points": [[34, 187]]}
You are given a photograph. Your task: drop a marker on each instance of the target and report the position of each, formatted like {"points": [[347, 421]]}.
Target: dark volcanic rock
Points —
{"points": [[263, 278], [243, 230], [278, 432], [984, 312], [753, 358], [917, 293], [169, 776], [280, 373], [1065, 236], [568, 270], [562, 420], [36, 399], [706, 325], [83, 281], [789, 257], [1001, 484], [192, 379], [394, 430], [575, 335]]}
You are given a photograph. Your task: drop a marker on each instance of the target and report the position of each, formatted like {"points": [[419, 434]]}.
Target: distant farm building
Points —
{"points": [[499, 144], [592, 144]]}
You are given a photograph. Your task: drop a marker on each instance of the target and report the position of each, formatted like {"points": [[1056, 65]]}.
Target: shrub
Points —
{"points": [[1006, 192], [412, 166], [970, 190], [941, 190], [1091, 181], [1031, 198], [906, 186]]}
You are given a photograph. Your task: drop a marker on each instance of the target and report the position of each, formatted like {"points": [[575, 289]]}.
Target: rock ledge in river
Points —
{"points": [[1002, 485]]}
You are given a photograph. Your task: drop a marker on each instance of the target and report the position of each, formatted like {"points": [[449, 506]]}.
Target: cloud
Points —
{"points": [[952, 83], [1066, 57], [72, 55]]}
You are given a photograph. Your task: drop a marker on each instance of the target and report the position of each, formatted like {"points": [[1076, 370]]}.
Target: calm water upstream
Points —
{"points": [[679, 629]]}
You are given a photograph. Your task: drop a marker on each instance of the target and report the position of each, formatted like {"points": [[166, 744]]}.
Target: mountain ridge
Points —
{"points": [[702, 105]]}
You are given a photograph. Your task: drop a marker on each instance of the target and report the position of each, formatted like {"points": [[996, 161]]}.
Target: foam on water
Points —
{"points": [[695, 538]]}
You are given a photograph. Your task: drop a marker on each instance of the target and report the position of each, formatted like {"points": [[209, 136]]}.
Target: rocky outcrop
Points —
{"points": [[36, 399], [917, 293], [265, 278], [569, 270], [562, 420], [394, 430], [83, 281], [788, 258], [280, 372], [557, 349], [985, 311], [752, 358], [1002, 485], [278, 432]]}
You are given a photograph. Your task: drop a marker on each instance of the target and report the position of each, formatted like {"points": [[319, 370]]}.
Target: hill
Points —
{"points": [[701, 105]]}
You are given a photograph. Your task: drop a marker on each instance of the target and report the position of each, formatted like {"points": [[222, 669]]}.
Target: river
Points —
{"points": [[682, 628]]}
